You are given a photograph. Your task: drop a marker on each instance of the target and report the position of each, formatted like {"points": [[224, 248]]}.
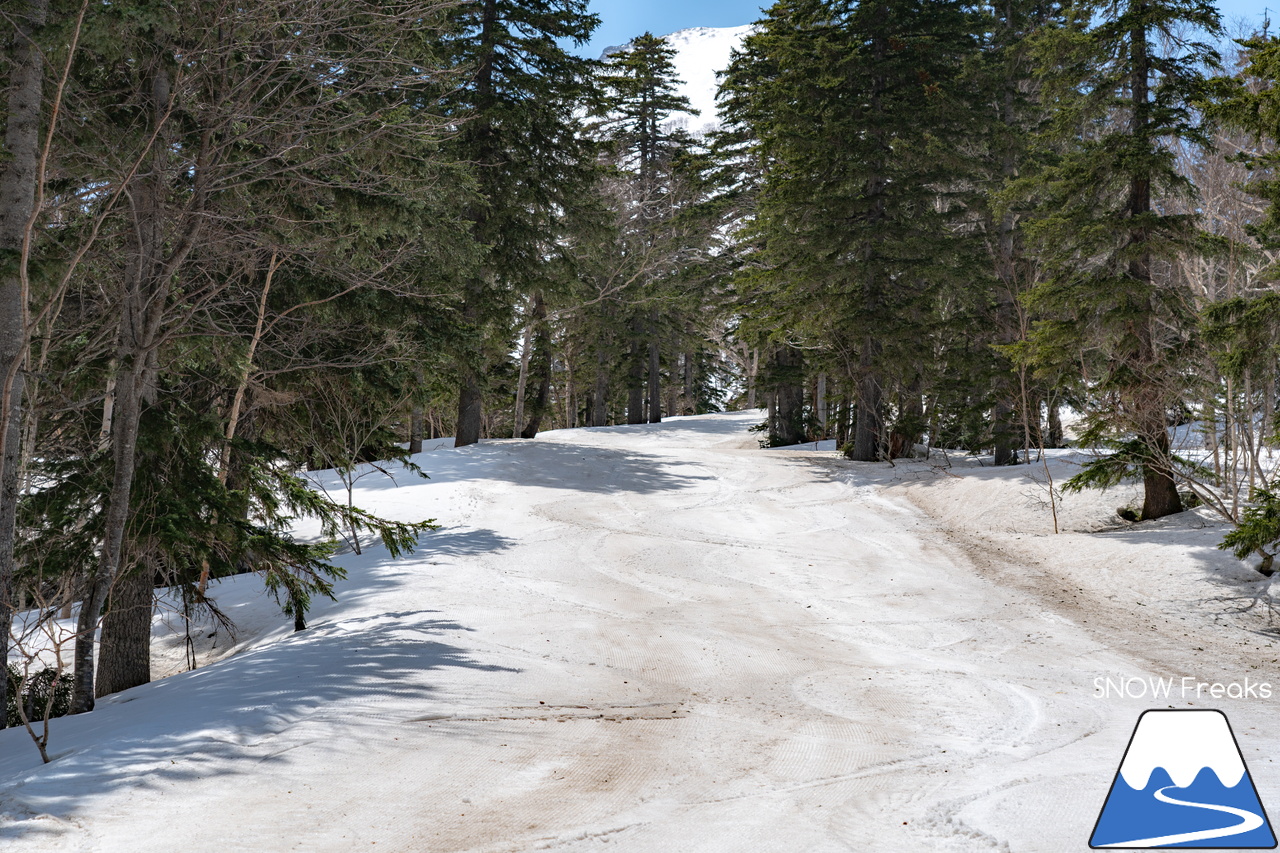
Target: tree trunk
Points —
{"points": [[1160, 496], [125, 655], [909, 429], [148, 272], [787, 426], [1147, 399], [1007, 323], [417, 427], [866, 433], [124, 442], [820, 403], [19, 172], [844, 413], [539, 367], [655, 383], [635, 384], [470, 400], [690, 400], [471, 361], [600, 396], [1004, 433], [1056, 438]]}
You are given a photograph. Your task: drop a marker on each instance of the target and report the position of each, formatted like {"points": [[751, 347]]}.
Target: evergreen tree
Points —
{"points": [[1250, 102], [199, 137], [640, 93], [1014, 116], [1120, 91], [860, 113], [520, 130]]}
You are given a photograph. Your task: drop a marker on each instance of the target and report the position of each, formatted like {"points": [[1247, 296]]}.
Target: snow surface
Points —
{"points": [[1183, 743], [663, 638]]}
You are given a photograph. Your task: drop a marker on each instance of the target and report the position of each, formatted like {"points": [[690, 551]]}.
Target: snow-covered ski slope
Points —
{"points": [[662, 638]]}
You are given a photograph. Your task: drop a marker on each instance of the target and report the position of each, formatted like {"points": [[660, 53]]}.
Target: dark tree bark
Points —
{"points": [[1005, 433], [125, 662], [1055, 436], [1147, 400], [870, 423], [1003, 416], [18, 174], [909, 429], [600, 396], [635, 384], [471, 392], [867, 432], [787, 425], [470, 409], [690, 401], [539, 367], [820, 403], [416, 429], [844, 417], [655, 384], [153, 259], [124, 442]]}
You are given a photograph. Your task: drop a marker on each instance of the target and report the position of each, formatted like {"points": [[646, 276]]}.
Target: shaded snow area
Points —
{"points": [[661, 638]]}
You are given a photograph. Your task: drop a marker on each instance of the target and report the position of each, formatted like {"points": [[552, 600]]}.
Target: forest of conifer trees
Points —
{"points": [[240, 242]]}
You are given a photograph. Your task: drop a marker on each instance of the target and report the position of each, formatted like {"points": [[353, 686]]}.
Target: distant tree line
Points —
{"points": [[957, 220]]}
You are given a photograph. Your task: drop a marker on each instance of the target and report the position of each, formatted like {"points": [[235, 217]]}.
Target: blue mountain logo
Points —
{"points": [[1183, 783]]}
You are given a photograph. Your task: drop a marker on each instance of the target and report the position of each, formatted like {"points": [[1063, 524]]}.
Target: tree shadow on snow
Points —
{"points": [[229, 717], [547, 464]]}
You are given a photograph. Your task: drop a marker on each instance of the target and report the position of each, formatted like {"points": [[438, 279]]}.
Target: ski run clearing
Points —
{"points": [[662, 638]]}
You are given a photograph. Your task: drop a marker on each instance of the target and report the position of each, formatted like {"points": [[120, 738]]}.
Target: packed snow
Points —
{"points": [[664, 638]]}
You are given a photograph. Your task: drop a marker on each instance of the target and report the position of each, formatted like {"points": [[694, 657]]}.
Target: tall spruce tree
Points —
{"points": [[640, 94], [1120, 80], [1255, 110], [520, 129], [1014, 115], [860, 112]]}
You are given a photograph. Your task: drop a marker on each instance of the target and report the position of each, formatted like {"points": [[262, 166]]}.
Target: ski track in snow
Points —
{"points": [[657, 638]]}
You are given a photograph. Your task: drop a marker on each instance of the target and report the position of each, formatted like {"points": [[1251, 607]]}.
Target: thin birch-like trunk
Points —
{"points": [[19, 179]]}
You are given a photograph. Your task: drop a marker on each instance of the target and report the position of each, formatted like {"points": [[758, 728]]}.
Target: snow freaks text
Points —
{"points": [[1153, 687]]}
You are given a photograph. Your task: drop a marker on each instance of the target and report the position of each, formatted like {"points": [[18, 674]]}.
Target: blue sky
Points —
{"points": [[622, 20]]}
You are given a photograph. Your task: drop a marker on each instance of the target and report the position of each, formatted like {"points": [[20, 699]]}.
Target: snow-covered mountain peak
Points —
{"points": [[1183, 743], [701, 52]]}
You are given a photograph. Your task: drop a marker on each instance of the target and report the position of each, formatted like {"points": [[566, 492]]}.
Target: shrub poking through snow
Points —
{"points": [[1258, 531], [42, 695]]}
